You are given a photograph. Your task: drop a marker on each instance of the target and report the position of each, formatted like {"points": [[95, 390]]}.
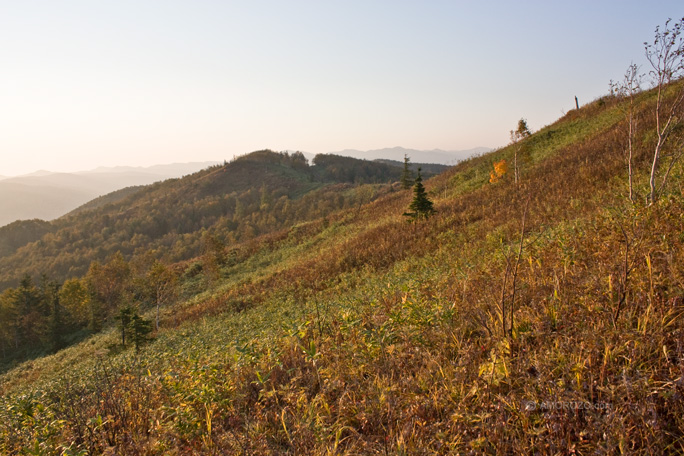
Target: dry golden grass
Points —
{"points": [[361, 334]]}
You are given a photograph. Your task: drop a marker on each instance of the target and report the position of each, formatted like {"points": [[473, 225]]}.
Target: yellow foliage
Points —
{"points": [[495, 369], [500, 168]]}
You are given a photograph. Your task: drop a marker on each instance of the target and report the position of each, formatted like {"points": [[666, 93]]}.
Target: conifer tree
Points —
{"points": [[406, 180], [421, 206], [125, 317], [140, 328], [133, 327], [57, 324]]}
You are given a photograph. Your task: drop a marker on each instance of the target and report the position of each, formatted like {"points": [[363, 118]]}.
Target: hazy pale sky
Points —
{"points": [[140, 82]]}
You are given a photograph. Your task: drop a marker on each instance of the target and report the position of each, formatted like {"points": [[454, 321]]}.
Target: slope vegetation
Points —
{"points": [[252, 195], [539, 317], [65, 279]]}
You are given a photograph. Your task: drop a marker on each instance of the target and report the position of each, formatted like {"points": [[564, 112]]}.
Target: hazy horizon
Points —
{"points": [[208, 162], [38, 172], [127, 83]]}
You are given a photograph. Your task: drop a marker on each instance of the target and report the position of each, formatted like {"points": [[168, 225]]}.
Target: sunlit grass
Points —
{"points": [[362, 334]]}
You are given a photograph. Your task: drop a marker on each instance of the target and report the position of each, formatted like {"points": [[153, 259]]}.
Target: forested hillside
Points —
{"points": [[253, 195], [65, 279]]}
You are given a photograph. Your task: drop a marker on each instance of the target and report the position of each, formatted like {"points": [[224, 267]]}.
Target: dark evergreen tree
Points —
{"points": [[140, 328], [421, 206], [10, 316], [28, 296], [125, 317], [96, 313], [406, 180], [134, 328], [57, 327], [31, 321]]}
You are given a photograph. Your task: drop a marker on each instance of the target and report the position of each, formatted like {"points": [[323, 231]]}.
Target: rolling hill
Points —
{"points": [[252, 195], [537, 315], [47, 196]]}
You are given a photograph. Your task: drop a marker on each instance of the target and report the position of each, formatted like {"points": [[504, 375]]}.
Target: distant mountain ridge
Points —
{"points": [[438, 156], [171, 169], [46, 195]]}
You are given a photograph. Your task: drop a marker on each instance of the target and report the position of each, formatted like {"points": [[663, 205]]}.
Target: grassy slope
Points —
{"points": [[360, 334]]}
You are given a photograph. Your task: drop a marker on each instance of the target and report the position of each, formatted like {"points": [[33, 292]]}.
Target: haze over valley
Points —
{"points": [[46, 195]]}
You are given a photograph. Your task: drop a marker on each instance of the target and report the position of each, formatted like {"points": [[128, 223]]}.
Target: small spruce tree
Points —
{"points": [[406, 180], [124, 317], [140, 328], [134, 328], [57, 325], [421, 206]]}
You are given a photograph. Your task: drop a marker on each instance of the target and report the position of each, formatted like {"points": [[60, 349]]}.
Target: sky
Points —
{"points": [[142, 82]]}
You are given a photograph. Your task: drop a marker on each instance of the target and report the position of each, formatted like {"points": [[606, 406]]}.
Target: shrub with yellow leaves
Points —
{"points": [[500, 168]]}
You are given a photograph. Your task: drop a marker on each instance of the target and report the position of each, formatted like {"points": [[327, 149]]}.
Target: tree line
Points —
{"points": [[44, 316]]}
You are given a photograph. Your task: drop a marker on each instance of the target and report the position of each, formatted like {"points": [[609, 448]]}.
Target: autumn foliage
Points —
{"points": [[500, 169], [354, 334]]}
